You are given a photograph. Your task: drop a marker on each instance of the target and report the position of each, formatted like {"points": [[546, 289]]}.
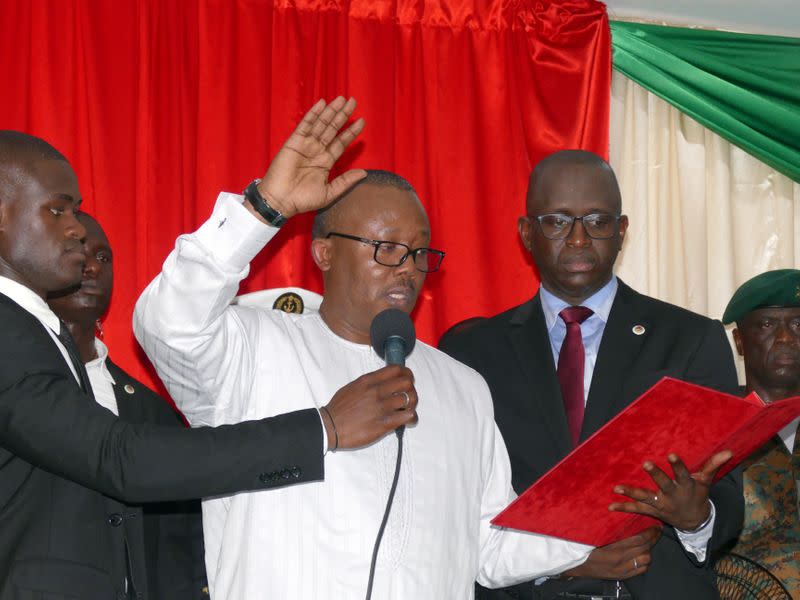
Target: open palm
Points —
{"points": [[297, 178]]}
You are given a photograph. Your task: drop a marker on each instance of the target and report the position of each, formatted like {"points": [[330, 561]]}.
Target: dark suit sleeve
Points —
{"points": [[713, 366], [47, 421]]}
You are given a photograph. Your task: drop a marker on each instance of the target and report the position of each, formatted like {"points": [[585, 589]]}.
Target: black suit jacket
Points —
{"points": [[173, 551], [69, 470], [512, 351]]}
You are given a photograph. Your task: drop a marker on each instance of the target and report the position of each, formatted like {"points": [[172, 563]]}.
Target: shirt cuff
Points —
{"points": [[233, 235], [324, 434], [696, 542]]}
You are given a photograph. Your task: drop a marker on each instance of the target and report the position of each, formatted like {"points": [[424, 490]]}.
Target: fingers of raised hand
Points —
{"points": [[306, 124], [321, 124], [343, 182], [337, 122], [337, 145]]}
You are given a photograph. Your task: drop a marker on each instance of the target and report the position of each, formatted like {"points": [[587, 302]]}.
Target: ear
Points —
{"points": [[737, 340], [525, 232], [322, 253], [623, 228]]}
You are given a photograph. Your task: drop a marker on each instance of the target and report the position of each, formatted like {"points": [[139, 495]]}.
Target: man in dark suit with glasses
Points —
{"points": [[584, 347]]}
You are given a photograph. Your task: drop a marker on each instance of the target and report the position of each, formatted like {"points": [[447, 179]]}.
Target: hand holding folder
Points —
{"points": [[674, 417], [681, 501]]}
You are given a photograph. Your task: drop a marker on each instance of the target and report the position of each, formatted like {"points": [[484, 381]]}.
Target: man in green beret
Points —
{"points": [[766, 310]]}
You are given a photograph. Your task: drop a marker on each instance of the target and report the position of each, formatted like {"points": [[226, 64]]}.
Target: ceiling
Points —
{"points": [[771, 17]]}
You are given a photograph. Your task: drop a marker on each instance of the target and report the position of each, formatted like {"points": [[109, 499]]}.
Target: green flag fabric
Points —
{"points": [[744, 87]]}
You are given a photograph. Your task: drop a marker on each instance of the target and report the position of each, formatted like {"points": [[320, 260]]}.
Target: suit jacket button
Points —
{"points": [[115, 519]]}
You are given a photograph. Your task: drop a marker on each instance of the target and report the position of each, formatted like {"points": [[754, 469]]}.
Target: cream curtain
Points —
{"points": [[704, 215]]}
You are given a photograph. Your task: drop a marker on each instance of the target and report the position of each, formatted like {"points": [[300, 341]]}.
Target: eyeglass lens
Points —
{"points": [[558, 226], [392, 255]]}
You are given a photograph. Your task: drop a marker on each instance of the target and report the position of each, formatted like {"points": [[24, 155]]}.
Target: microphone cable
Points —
{"points": [[399, 431]]}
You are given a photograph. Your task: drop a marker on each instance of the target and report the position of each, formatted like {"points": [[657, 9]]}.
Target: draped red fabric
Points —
{"points": [[160, 105]]}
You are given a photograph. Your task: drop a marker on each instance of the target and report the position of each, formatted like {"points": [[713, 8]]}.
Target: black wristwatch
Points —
{"points": [[254, 197]]}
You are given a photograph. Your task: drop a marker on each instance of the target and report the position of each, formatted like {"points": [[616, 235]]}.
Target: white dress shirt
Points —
{"points": [[225, 364], [101, 379], [592, 334]]}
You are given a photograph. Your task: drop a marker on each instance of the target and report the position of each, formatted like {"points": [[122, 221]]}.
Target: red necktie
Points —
{"points": [[570, 367]]}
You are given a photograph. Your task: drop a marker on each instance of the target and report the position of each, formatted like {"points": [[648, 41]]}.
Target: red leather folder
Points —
{"points": [[571, 500]]}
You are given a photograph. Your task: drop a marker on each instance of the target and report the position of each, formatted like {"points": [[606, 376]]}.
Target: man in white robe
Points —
{"points": [[225, 364]]}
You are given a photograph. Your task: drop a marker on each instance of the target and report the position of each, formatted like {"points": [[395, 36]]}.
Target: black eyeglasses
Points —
{"points": [[558, 226], [394, 254]]}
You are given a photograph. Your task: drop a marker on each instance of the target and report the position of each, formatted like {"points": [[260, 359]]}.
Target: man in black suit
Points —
{"points": [[623, 344], [165, 539], [63, 458]]}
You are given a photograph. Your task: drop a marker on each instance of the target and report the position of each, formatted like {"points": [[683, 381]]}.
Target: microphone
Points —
{"points": [[392, 336]]}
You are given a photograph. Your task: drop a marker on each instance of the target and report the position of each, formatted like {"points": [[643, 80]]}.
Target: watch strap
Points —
{"points": [[257, 201]]}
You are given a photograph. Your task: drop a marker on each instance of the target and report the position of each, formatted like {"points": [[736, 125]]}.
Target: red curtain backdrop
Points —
{"points": [[160, 105]]}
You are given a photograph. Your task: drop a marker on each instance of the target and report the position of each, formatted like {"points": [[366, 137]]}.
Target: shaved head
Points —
{"points": [[15, 144], [559, 164], [567, 186], [326, 219], [18, 152]]}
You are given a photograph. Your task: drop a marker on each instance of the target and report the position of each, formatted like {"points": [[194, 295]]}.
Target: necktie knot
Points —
{"points": [[575, 314]]}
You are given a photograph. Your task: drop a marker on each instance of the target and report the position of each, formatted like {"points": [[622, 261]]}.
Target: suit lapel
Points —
{"points": [[531, 343], [617, 353], [33, 329], [127, 406]]}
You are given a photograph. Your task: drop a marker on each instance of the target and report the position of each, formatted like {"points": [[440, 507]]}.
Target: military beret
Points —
{"points": [[773, 288]]}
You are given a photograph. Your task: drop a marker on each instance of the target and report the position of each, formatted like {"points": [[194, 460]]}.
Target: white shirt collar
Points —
{"points": [[30, 301], [600, 302], [99, 363]]}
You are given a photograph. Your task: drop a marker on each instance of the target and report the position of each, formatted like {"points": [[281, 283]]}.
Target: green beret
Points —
{"points": [[773, 288]]}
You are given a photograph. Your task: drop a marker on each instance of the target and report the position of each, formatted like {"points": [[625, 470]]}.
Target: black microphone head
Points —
{"points": [[392, 322]]}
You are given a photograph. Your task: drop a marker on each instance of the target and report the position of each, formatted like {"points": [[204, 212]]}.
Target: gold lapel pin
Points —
{"points": [[128, 388], [638, 330]]}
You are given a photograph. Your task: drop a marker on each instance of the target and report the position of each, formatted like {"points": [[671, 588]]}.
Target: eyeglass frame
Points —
{"points": [[377, 243], [572, 219]]}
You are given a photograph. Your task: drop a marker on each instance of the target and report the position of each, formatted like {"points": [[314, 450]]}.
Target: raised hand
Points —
{"points": [[620, 560], [681, 502], [297, 179], [369, 407]]}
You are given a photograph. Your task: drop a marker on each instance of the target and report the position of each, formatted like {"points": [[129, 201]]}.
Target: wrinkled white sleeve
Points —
{"points": [[184, 320], [508, 556], [696, 542]]}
